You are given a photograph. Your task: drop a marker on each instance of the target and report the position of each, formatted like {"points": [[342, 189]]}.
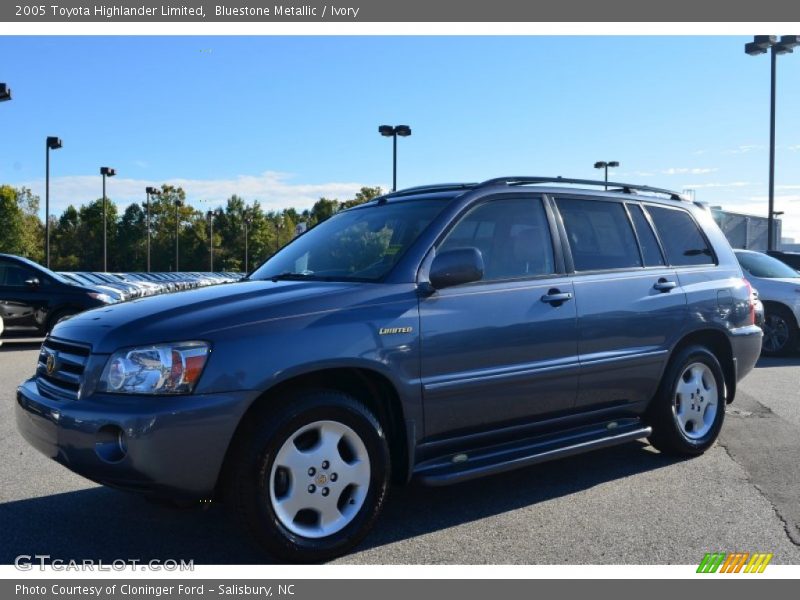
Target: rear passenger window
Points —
{"points": [[682, 240], [513, 236], [651, 253], [600, 234]]}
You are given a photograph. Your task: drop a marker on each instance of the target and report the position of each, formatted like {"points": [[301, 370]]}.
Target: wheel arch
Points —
{"points": [[368, 386], [718, 343]]}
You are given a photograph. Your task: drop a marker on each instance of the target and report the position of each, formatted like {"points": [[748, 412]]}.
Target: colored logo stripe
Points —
{"points": [[734, 562]]}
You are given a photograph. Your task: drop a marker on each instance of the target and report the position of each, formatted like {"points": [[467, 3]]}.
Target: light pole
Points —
{"points": [[178, 205], [393, 132], [210, 215], [760, 45], [247, 222], [149, 191], [51, 143], [5, 92], [105, 172], [601, 164]]}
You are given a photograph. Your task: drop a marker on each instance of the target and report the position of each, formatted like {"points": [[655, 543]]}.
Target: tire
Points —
{"points": [[59, 316], [309, 479], [686, 422], [780, 331]]}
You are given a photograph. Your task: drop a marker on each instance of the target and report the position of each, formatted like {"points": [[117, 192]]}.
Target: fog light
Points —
{"points": [[111, 445]]}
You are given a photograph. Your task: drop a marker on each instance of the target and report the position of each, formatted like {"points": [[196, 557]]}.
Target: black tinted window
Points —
{"points": [[600, 234], [512, 235], [682, 240], [647, 239], [14, 275]]}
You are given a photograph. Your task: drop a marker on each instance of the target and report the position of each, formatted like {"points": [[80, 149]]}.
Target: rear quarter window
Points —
{"points": [[682, 239]]}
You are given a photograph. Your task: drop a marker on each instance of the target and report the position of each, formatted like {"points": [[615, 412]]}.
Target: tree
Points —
{"points": [[21, 231]]}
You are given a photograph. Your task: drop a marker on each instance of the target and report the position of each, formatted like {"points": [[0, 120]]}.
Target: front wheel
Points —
{"points": [[687, 413], [311, 478]]}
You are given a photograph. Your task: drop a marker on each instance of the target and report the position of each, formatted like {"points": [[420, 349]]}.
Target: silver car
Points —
{"points": [[778, 288]]}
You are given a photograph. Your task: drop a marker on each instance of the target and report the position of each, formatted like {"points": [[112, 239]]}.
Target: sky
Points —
{"points": [[286, 120]]}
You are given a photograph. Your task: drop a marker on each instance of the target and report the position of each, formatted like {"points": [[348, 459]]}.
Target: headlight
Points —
{"points": [[157, 369], [105, 298]]}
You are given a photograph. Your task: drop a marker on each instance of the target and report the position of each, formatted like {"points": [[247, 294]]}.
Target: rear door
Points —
{"points": [[630, 305], [495, 351]]}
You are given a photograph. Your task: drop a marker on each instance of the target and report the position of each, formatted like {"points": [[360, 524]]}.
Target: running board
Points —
{"points": [[459, 467]]}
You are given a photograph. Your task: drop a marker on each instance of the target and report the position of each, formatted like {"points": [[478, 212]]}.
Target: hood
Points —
{"points": [[202, 313]]}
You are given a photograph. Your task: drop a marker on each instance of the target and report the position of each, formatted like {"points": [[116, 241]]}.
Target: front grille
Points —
{"points": [[62, 379]]}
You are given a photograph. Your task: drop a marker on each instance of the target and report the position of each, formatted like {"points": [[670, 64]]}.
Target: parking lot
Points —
{"points": [[622, 505]]}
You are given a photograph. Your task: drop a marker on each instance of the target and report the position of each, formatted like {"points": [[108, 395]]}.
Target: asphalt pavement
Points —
{"points": [[623, 505]]}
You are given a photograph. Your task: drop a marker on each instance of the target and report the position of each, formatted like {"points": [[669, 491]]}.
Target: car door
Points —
{"points": [[630, 305], [497, 351], [22, 305]]}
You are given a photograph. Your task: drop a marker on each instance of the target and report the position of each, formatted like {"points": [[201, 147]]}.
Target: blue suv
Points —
{"points": [[435, 334]]}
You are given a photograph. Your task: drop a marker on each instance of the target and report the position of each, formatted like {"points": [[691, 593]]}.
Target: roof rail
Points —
{"points": [[627, 188], [421, 189]]}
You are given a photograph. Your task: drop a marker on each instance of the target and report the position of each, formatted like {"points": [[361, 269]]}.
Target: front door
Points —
{"points": [[500, 350]]}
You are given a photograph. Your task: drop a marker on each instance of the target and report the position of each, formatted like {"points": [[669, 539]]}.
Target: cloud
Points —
{"points": [[744, 149], [719, 185], [795, 148], [688, 171], [274, 190]]}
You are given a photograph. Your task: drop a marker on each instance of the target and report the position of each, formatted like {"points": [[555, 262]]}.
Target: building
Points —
{"points": [[746, 231]]}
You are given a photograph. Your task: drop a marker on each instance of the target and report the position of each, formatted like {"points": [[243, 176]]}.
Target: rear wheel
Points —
{"points": [[687, 413], [310, 478], [780, 331]]}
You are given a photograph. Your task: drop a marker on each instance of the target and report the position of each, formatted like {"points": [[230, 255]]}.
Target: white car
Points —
{"points": [[778, 288]]}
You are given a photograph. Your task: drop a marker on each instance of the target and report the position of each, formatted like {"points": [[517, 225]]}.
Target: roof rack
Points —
{"points": [[421, 189], [626, 188]]}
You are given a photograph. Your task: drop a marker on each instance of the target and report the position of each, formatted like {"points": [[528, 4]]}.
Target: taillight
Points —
{"points": [[750, 302]]}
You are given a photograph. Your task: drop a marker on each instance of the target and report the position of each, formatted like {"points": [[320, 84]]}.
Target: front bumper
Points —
{"points": [[169, 446]]}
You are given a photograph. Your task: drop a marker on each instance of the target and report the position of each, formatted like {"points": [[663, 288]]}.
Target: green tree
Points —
{"points": [[21, 231]]}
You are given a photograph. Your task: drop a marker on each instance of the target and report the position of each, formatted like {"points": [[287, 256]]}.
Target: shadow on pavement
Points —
{"points": [[792, 360], [104, 524]]}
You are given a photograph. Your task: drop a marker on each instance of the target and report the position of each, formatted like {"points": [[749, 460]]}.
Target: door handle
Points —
{"points": [[556, 297], [663, 285]]}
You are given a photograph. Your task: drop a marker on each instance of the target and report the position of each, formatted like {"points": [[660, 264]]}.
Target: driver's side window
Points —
{"points": [[512, 235]]}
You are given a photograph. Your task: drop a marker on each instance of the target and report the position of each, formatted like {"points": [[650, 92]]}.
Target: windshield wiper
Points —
{"points": [[292, 276]]}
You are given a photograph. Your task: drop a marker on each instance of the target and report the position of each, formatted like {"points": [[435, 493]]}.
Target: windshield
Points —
{"points": [[761, 265], [362, 244]]}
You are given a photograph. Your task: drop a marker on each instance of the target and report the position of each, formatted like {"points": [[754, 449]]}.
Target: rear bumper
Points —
{"points": [[746, 347], [171, 446]]}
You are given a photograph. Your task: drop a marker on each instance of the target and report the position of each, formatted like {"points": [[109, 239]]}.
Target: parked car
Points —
{"points": [[438, 334], [79, 279], [791, 259], [779, 289], [33, 298]]}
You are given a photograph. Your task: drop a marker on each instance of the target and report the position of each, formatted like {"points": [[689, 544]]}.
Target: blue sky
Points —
{"points": [[288, 119]]}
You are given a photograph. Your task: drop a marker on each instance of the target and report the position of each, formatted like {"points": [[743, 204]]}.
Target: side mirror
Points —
{"points": [[455, 267], [33, 282]]}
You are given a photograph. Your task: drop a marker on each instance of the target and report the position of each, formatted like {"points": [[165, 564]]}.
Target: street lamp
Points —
{"points": [[105, 172], [393, 132], [248, 220], [760, 45], [601, 164], [51, 143], [5, 92], [210, 216], [149, 191], [178, 205]]}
